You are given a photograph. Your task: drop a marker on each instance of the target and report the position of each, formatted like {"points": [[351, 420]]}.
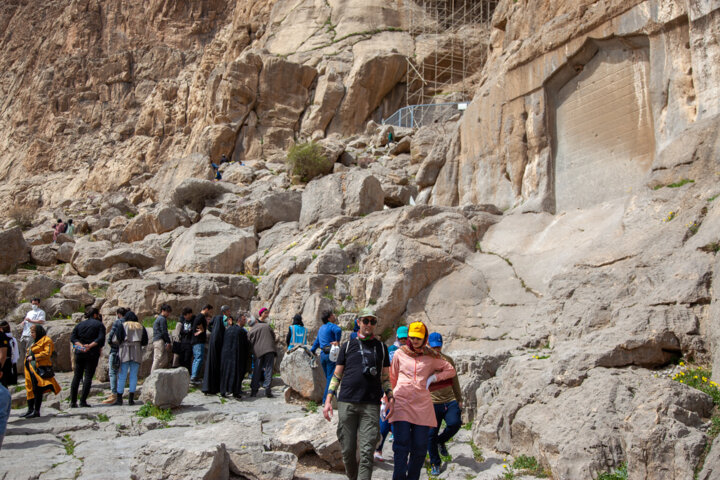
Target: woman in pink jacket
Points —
{"points": [[414, 367]]}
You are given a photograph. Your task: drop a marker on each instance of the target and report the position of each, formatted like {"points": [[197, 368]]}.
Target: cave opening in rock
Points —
{"points": [[601, 123]]}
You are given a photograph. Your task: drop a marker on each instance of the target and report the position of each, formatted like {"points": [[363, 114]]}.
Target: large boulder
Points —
{"points": [[301, 371], [163, 219], [43, 255], [311, 434], [263, 211], [8, 297], [212, 246], [77, 291], [353, 193], [59, 332], [166, 388], [40, 286], [88, 256], [15, 249], [255, 463]]}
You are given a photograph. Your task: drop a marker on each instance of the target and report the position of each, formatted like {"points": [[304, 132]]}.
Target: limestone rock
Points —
{"points": [[77, 291], [65, 251], [255, 463], [264, 210], [88, 256], [353, 193], [8, 297], [40, 286], [311, 433], [164, 219], [212, 246], [301, 371], [59, 332], [403, 146], [15, 249], [166, 388]]}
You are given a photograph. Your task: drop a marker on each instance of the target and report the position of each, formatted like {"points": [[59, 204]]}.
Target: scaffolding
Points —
{"points": [[452, 42]]}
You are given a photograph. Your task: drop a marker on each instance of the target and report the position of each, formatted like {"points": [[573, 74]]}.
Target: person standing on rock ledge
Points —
{"points": [[362, 374], [36, 316], [161, 339], [263, 340], [447, 400], [199, 339], [87, 339], [329, 335], [414, 368]]}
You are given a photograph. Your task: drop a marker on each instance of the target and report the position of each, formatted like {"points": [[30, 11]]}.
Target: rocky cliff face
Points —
{"points": [[562, 234]]}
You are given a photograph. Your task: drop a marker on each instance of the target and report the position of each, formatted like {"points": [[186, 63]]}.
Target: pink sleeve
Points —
{"points": [[394, 370], [443, 369]]}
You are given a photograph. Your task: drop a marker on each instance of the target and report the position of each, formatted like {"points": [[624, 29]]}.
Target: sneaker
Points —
{"points": [[442, 449], [378, 456], [110, 400], [435, 470]]}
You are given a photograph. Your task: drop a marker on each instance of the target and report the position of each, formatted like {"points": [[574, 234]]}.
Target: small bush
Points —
{"points": [[619, 474], [22, 215], [311, 406], [69, 444], [150, 410], [307, 161]]}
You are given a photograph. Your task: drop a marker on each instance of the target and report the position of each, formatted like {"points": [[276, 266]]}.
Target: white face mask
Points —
{"points": [[35, 307]]}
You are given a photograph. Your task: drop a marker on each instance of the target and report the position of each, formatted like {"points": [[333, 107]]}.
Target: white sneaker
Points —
{"points": [[378, 456]]}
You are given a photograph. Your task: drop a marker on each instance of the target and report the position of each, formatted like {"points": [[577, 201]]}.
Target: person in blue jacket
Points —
{"points": [[297, 333], [328, 335]]}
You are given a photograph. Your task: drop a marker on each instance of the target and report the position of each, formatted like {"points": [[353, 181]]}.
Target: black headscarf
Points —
{"points": [[297, 320], [39, 332]]}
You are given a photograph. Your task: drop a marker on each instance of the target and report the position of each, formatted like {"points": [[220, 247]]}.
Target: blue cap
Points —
{"points": [[435, 340], [402, 332]]}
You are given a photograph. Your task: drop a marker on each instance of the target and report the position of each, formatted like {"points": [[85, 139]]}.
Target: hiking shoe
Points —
{"points": [[442, 449], [84, 405], [435, 470], [268, 393], [110, 400], [378, 456]]}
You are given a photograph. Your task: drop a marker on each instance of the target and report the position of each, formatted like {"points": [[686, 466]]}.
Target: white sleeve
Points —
{"points": [[40, 316]]}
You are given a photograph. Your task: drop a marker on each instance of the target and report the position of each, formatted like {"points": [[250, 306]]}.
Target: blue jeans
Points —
{"points": [[5, 402], [133, 368], [410, 440], [198, 353], [450, 412], [384, 430], [112, 373], [329, 368]]}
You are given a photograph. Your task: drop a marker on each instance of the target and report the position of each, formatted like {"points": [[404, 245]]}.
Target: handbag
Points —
{"points": [[46, 372]]}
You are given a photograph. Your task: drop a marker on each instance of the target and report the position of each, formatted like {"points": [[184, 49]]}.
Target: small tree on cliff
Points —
{"points": [[306, 161]]}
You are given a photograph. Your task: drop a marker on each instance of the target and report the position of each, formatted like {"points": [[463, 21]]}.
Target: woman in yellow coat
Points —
{"points": [[37, 358]]}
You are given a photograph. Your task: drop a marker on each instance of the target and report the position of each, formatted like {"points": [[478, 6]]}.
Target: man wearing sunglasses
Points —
{"points": [[362, 376]]}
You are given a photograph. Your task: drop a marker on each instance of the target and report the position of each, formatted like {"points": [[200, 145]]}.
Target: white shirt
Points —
{"points": [[35, 315]]}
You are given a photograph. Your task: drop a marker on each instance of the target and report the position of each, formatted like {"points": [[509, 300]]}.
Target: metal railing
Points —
{"points": [[415, 116]]}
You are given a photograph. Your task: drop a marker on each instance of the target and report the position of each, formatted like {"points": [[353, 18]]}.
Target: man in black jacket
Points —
{"points": [[87, 338]]}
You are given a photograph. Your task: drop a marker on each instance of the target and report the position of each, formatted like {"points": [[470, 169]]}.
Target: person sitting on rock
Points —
{"points": [[70, 231], [362, 375], [447, 399], [60, 227], [87, 339], [234, 360], [297, 333], [114, 338], [262, 338], [130, 354], [39, 375], [328, 336], [211, 379]]}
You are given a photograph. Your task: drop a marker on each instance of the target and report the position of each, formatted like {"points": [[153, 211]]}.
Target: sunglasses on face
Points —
{"points": [[368, 320]]}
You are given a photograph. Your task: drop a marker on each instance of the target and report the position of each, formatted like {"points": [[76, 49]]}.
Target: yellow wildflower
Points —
{"points": [[682, 364], [704, 379]]}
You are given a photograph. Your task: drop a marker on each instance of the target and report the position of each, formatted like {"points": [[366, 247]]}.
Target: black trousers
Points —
{"points": [[85, 365], [263, 369]]}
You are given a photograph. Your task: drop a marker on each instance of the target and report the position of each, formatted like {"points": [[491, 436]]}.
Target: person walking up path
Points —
{"points": [[87, 339], [447, 400], [414, 368], [263, 341], [362, 374], [130, 354], [211, 379], [329, 335], [162, 344]]}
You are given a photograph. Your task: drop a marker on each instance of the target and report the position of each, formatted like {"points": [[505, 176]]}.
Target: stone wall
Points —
{"points": [[507, 148]]}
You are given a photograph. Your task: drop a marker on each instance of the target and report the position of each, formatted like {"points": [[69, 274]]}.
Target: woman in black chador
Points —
{"points": [[211, 379], [235, 352]]}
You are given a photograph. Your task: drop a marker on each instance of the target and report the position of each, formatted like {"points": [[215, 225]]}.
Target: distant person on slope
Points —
{"points": [[60, 227], [70, 228], [447, 400], [414, 368]]}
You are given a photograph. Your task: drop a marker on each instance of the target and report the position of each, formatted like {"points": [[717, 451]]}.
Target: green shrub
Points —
{"points": [[150, 410], [307, 161], [619, 474]]}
